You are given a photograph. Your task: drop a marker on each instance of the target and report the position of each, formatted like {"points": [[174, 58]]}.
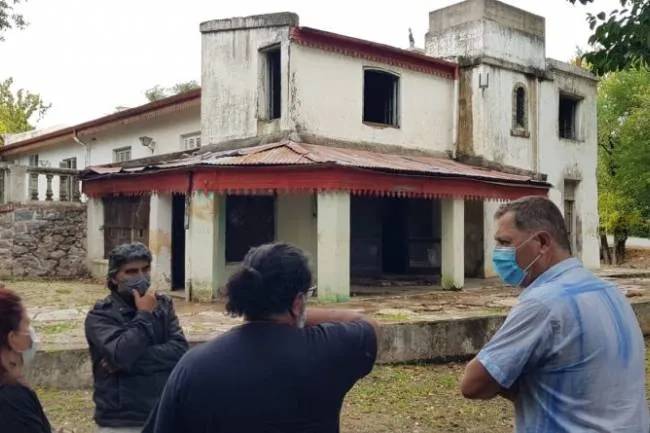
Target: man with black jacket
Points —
{"points": [[135, 341]]}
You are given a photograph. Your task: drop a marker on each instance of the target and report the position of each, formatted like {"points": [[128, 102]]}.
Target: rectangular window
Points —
{"points": [[122, 154], [380, 97], [191, 141], [569, 211], [69, 163], [33, 160], [272, 83], [568, 110], [250, 221]]}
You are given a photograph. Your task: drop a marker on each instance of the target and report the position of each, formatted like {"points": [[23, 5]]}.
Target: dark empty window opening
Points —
{"points": [[520, 109], [274, 83], [567, 116], [380, 97], [250, 221]]}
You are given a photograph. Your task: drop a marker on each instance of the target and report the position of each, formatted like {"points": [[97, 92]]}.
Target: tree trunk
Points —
{"points": [[605, 252], [619, 246]]}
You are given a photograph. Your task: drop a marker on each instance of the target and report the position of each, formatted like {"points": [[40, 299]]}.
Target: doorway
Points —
{"points": [[178, 242]]}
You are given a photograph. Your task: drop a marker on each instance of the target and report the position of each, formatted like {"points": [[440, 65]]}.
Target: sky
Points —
{"points": [[87, 57]]}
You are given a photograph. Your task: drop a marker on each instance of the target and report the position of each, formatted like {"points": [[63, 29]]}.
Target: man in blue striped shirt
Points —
{"points": [[570, 354]]}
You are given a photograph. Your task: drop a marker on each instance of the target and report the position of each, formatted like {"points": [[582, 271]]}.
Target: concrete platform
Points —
{"points": [[419, 323], [421, 341]]}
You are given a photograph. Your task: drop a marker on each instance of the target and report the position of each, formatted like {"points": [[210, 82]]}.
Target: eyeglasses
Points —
{"points": [[311, 291]]}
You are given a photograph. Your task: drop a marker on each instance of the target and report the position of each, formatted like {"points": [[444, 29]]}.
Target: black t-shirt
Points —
{"points": [[20, 411], [264, 377]]}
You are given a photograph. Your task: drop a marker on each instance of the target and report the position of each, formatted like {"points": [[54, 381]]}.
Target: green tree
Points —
{"points": [[624, 155], [16, 109], [620, 38], [159, 92], [9, 18]]}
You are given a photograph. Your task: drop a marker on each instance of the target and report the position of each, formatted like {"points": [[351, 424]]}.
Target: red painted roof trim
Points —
{"points": [[373, 51], [120, 115], [263, 180]]}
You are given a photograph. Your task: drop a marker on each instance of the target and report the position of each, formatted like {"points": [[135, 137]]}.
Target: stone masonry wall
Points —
{"points": [[43, 240]]}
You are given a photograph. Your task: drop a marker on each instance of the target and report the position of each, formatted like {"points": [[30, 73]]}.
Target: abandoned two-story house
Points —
{"points": [[375, 160]]}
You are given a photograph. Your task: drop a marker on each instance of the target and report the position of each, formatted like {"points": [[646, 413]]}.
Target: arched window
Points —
{"points": [[519, 111], [520, 108]]}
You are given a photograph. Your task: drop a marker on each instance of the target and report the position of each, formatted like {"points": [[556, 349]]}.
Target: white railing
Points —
{"points": [[23, 184]]}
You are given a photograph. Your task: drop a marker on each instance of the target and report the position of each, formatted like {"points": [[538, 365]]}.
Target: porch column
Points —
{"points": [[95, 238], [160, 235], [453, 243], [205, 246], [489, 230], [333, 248]]}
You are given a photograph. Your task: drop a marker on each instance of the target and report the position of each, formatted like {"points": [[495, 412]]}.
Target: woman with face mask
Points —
{"points": [[20, 410]]}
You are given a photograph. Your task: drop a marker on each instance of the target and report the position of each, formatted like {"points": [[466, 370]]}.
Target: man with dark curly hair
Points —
{"points": [[286, 369]]}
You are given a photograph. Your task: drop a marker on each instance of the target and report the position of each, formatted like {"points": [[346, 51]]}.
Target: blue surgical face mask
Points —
{"points": [[505, 264]]}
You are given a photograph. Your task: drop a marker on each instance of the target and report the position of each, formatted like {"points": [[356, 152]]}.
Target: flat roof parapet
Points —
{"points": [[476, 10], [280, 19]]}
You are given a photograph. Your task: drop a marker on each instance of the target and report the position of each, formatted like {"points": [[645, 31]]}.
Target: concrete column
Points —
{"points": [[296, 223], [453, 243], [489, 230], [160, 240], [16, 184], [95, 238], [333, 246], [205, 246]]}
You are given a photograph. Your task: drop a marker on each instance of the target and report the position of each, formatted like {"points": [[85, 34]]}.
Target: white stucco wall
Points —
{"points": [[230, 82], [573, 159], [489, 28], [324, 82], [296, 223], [166, 130], [558, 158], [492, 117]]}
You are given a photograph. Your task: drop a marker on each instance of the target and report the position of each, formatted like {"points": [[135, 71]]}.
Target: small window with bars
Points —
{"points": [[191, 141], [122, 154]]}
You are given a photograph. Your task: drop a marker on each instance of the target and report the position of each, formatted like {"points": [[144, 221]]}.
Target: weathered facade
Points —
{"points": [[501, 53], [377, 161]]}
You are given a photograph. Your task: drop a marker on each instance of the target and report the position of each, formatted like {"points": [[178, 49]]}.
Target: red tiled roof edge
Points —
{"points": [[120, 115], [373, 51]]}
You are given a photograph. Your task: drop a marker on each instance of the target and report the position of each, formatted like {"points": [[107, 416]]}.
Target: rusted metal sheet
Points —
{"points": [[289, 153]]}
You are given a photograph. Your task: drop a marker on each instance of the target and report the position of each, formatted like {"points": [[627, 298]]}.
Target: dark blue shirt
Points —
{"points": [[266, 377]]}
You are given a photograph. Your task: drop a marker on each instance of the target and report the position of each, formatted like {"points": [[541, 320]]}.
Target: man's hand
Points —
{"points": [[147, 302]]}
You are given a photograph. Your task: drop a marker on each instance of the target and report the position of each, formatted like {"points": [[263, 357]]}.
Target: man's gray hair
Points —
{"points": [[536, 213], [123, 254]]}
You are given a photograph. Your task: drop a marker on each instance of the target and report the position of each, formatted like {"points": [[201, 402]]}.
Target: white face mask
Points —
{"points": [[30, 354]]}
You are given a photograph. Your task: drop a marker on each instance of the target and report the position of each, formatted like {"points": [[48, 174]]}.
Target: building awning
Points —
{"points": [[291, 167]]}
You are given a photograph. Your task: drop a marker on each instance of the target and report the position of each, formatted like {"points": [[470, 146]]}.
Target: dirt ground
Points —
{"points": [[58, 308], [638, 258], [392, 399]]}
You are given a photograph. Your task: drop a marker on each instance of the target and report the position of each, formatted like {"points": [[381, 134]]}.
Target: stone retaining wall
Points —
{"points": [[43, 240]]}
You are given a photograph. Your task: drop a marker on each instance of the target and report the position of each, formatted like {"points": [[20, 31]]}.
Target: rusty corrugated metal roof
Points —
{"points": [[290, 153]]}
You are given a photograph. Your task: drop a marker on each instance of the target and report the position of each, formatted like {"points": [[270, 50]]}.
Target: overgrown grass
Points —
{"points": [[392, 399]]}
